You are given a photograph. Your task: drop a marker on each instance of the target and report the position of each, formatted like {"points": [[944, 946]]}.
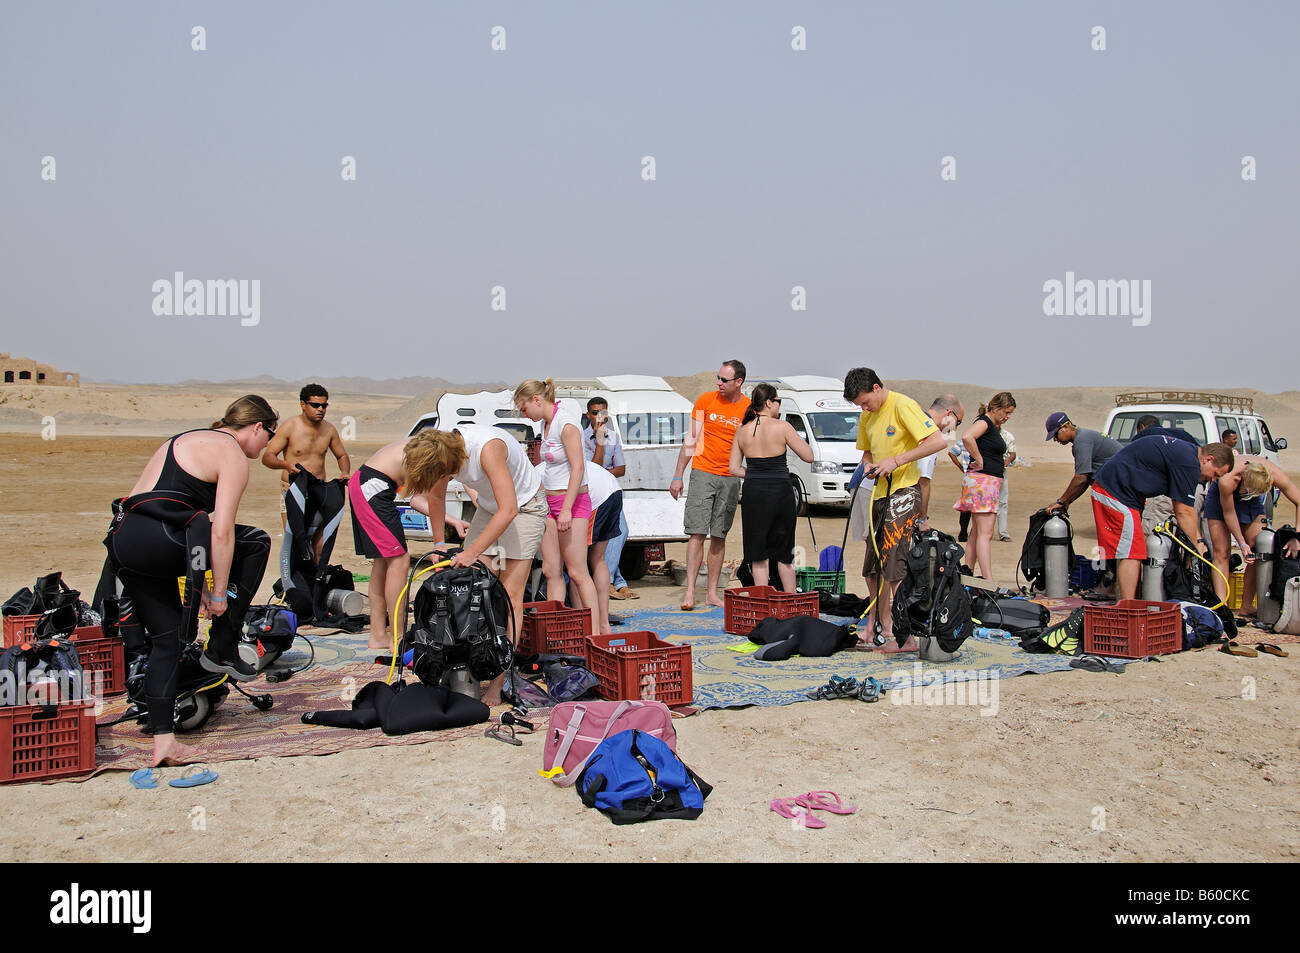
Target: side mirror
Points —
{"points": [[1281, 443]]}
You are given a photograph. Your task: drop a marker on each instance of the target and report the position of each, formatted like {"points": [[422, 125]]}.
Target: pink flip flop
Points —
{"points": [[790, 808], [824, 801]]}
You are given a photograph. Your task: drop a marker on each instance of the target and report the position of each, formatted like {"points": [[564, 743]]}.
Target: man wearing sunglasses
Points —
{"points": [[713, 494], [302, 441]]}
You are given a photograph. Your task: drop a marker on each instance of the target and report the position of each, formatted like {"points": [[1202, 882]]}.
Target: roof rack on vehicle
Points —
{"points": [[1214, 401]]}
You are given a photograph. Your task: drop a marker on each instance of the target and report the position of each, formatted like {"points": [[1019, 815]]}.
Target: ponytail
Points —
{"points": [[758, 399], [531, 388], [246, 411]]}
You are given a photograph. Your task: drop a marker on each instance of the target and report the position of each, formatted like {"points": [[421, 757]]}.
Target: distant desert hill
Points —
{"points": [[385, 409]]}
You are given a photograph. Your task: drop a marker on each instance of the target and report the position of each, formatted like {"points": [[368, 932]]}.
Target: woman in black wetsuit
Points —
{"points": [[179, 521], [767, 510]]}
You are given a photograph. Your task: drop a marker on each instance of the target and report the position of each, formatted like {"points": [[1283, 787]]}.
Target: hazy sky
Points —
{"points": [[523, 169]]}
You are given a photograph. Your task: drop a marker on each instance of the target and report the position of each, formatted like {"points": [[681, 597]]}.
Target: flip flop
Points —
{"points": [[144, 779], [193, 778], [824, 801], [791, 809], [1236, 648], [1272, 650], [1093, 663]]}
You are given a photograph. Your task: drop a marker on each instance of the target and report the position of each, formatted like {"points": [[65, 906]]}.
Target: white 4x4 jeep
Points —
{"points": [[1205, 416]]}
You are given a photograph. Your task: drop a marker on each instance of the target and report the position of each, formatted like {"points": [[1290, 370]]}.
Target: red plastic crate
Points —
{"points": [[640, 665], [1132, 628], [550, 627], [19, 627], [746, 608], [37, 744], [104, 655]]}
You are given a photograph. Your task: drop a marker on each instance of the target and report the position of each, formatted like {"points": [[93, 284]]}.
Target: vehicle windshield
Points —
{"points": [[1124, 426], [520, 431], [424, 424], [840, 426], [652, 428]]}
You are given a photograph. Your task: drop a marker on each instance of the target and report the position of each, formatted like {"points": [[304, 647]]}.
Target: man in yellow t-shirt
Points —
{"points": [[893, 433], [712, 496]]}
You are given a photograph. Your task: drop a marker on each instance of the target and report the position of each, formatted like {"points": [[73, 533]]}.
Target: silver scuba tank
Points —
{"points": [[1056, 551], [346, 602], [1269, 610], [1159, 548], [458, 679]]}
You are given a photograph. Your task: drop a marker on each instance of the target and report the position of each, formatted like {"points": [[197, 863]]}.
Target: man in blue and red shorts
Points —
{"points": [[1154, 466]]}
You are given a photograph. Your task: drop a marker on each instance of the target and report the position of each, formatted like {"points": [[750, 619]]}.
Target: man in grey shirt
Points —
{"points": [[1091, 449]]}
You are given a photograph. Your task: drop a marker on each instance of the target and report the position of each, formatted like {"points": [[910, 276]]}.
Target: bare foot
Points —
{"points": [[168, 751], [716, 601], [891, 646], [492, 698]]}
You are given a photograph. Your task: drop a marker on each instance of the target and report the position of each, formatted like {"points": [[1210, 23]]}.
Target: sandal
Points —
{"points": [[1094, 663], [870, 690], [1268, 649], [1236, 648], [824, 801], [791, 809], [837, 687]]}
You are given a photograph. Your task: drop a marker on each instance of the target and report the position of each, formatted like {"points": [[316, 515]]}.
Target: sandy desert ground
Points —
{"points": [[1184, 767]]}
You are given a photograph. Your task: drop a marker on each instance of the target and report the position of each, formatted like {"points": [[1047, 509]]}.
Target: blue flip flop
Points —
{"points": [[144, 779], [193, 780]]}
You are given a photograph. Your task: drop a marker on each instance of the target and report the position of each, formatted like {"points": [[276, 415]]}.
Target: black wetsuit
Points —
{"points": [[158, 536], [767, 515]]}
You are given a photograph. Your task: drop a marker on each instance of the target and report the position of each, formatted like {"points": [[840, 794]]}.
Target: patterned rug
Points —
{"points": [[727, 679], [238, 731]]}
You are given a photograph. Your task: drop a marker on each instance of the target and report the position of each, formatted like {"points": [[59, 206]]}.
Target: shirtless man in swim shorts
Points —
{"points": [[302, 441]]}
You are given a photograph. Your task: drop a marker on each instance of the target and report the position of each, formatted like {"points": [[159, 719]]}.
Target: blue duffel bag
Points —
{"points": [[632, 776]]}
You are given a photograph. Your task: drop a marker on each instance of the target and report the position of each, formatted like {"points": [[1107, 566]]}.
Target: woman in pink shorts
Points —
{"points": [[563, 469], [982, 484]]}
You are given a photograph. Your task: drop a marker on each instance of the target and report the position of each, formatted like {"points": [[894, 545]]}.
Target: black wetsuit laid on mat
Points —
{"points": [[767, 513], [160, 535]]}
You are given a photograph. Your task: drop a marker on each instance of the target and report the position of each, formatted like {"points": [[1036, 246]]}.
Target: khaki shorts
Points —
{"points": [[711, 504], [898, 513], [522, 538]]}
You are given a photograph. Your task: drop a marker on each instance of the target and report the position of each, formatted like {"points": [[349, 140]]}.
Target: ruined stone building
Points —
{"points": [[21, 370]]}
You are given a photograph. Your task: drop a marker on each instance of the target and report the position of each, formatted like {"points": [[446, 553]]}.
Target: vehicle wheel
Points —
{"points": [[800, 499], [633, 563]]}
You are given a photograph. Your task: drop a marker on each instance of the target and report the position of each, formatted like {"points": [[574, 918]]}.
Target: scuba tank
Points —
{"points": [[1159, 548], [1056, 545], [1269, 610]]}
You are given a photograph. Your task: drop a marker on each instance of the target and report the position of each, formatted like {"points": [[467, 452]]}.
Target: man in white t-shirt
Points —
{"points": [[1007, 460], [947, 413]]}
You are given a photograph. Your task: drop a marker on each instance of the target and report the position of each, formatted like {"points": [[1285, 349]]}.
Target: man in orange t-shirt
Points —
{"points": [[712, 496]]}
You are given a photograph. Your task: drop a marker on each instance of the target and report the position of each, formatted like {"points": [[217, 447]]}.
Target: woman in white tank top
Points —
{"points": [[565, 542]]}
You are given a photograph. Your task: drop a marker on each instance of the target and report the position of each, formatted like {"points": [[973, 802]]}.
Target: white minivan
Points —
{"points": [[818, 412], [652, 419]]}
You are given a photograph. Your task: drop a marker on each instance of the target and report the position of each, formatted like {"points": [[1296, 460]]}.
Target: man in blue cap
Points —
{"points": [[1090, 448]]}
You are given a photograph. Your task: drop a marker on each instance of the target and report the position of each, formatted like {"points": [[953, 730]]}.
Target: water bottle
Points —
{"points": [[983, 632]]}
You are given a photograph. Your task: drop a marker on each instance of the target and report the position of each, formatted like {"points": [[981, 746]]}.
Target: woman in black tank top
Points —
{"points": [[982, 482], [174, 530], [767, 509]]}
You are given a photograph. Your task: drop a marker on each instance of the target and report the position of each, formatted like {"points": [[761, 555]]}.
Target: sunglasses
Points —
{"points": [[322, 406], [725, 380], [270, 434]]}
